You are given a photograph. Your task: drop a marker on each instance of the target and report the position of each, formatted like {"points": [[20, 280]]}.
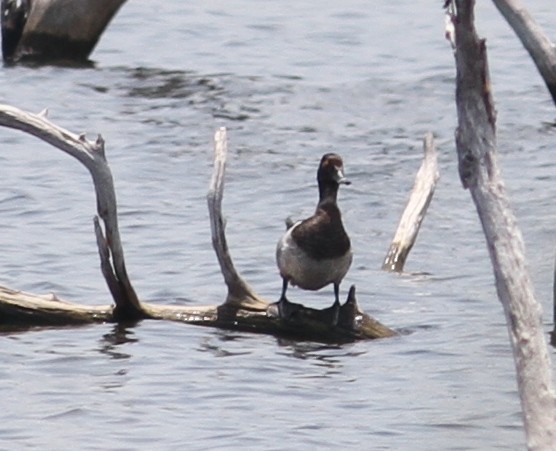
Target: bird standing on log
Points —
{"points": [[316, 252]]}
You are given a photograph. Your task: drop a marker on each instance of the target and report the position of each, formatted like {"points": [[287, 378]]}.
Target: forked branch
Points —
{"points": [[243, 308], [91, 155]]}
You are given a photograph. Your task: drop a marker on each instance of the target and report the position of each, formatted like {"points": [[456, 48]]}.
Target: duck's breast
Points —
{"points": [[307, 272]]}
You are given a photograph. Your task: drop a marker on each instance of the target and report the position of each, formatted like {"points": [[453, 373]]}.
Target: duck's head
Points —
{"points": [[331, 170]]}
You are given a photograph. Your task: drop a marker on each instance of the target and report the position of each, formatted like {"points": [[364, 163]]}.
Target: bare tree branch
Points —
{"points": [[553, 335], [20, 309], [535, 41], [243, 308], [91, 155], [239, 292], [476, 147], [415, 210]]}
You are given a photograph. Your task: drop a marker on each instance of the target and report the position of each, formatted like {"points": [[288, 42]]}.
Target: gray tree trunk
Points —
{"points": [[479, 172]]}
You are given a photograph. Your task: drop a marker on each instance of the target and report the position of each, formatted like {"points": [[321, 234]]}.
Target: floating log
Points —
{"points": [[415, 210], [479, 172], [54, 30], [243, 309]]}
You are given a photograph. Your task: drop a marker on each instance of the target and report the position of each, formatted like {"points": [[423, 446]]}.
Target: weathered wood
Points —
{"points": [[479, 172], [243, 308], [51, 30], [13, 15], [91, 155], [239, 292], [533, 38], [18, 308], [415, 210], [553, 334]]}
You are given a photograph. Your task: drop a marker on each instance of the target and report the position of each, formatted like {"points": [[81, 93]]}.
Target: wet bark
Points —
{"points": [[535, 41], [54, 30], [415, 210], [479, 172], [243, 308]]}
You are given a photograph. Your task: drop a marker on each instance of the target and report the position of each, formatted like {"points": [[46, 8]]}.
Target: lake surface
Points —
{"points": [[291, 81]]}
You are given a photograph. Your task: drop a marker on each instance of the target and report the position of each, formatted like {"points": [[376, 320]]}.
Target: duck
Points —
{"points": [[316, 252]]}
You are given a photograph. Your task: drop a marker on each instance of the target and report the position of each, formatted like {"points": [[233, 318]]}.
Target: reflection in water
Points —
{"points": [[217, 349], [110, 345], [329, 355], [293, 90], [121, 334]]}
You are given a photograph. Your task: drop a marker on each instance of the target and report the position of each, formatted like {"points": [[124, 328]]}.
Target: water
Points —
{"points": [[291, 82]]}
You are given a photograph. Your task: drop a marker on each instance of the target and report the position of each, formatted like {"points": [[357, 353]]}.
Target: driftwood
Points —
{"points": [[479, 172], [243, 308], [415, 210], [535, 41], [54, 30]]}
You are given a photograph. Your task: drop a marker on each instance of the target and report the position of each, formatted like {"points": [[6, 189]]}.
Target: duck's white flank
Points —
{"points": [[306, 272]]}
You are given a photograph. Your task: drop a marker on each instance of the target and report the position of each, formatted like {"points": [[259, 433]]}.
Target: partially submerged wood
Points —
{"points": [[479, 172], [18, 308], [415, 210], [54, 30], [243, 308], [13, 16], [91, 155], [533, 38]]}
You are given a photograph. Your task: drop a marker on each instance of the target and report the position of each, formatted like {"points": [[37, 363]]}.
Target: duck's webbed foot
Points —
{"points": [[283, 309]]}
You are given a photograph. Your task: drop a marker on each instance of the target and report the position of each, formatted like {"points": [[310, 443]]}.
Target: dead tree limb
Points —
{"points": [[479, 172], [415, 210], [239, 292], [243, 308], [553, 334], [535, 41], [91, 155], [20, 309], [54, 30]]}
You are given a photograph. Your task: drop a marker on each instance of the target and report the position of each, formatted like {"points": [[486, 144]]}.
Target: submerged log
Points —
{"points": [[479, 172], [54, 30], [243, 308], [415, 210], [535, 41]]}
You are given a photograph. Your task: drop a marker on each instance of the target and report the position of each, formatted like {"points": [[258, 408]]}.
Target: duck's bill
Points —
{"points": [[341, 178], [344, 181]]}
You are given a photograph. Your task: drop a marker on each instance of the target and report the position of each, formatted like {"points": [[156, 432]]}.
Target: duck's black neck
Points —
{"points": [[328, 192]]}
